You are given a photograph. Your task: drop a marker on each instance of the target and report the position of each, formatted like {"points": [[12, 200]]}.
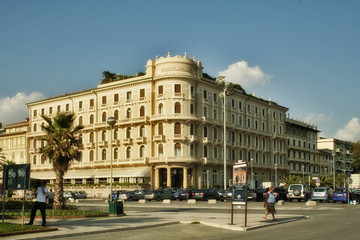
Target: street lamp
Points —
{"points": [[333, 155], [276, 175], [220, 80], [111, 122], [303, 170], [252, 173]]}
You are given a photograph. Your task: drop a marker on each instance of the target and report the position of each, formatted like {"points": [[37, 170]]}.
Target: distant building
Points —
{"points": [[341, 153], [168, 131]]}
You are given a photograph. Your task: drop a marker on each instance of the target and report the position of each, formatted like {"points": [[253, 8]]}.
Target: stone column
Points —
{"points": [[185, 180], [156, 179], [168, 173]]}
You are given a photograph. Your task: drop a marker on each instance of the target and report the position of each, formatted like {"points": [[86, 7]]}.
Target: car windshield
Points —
{"points": [[293, 187], [319, 190], [341, 190]]}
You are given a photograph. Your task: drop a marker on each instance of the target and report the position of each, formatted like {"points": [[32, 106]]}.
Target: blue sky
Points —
{"points": [[302, 54]]}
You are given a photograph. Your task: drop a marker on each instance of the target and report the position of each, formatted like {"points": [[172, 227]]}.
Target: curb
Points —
{"points": [[26, 232]]}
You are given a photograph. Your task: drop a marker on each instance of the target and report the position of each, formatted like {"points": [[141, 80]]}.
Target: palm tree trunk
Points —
{"points": [[59, 201]]}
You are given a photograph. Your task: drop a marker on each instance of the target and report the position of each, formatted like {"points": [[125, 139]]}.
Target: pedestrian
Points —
{"points": [[269, 203], [39, 204]]}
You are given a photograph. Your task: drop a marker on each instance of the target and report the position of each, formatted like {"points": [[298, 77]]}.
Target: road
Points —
{"points": [[327, 221]]}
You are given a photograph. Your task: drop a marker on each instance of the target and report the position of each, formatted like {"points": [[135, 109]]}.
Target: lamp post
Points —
{"points": [[252, 173], [111, 122], [220, 80], [303, 170], [334, 185], [276, 175]]}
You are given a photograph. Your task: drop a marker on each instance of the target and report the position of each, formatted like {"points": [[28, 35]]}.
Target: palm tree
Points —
{"points": [[62, 148], [291, 179]]}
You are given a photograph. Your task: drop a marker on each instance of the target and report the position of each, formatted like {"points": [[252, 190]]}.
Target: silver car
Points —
{"points": [[322, 194]]}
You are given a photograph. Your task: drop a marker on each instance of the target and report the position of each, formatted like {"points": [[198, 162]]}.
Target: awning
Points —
{"points": [[93, 173]]}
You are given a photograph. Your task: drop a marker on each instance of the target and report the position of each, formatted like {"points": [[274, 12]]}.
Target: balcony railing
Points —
{"points": [[159, 138]]}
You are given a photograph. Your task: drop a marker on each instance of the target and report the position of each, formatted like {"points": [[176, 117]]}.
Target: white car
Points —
{"points": [[299, 192]]}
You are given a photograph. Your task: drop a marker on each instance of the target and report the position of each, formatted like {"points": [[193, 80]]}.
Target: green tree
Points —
{"points": [[63, 146], [291, 179], [356, 157]]}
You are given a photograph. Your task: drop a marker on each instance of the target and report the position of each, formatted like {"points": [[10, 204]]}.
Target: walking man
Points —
{"points": [[40, 204]]}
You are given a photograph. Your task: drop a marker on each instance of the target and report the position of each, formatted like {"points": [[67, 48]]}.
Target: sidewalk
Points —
{"points": [[137, 220]]}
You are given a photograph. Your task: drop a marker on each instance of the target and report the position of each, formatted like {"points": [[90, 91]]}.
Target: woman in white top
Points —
{"points": [[269, 203]]}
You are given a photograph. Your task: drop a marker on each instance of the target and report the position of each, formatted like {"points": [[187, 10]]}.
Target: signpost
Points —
{"points": [[240, 190], [16, 177], [317, 182]]}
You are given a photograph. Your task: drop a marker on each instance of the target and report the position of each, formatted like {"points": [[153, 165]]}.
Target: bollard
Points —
{"points": [[142, 201], [167, 201], [311, 203], [212, 201], [281, 202], [191, 201]]}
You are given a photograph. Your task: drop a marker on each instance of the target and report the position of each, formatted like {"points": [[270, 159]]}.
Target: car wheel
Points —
{"points": [[334, 201]]}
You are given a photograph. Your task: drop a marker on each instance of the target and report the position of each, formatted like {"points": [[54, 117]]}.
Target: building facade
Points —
{"points": [[168, 131]]}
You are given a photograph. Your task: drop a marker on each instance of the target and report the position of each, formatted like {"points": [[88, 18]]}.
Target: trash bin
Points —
{"points": [[116, 208]]}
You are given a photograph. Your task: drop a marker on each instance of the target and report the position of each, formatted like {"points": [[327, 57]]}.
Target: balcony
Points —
{"points": [[205, 140], [178, 137], [127, 141], [139, 161], [159, 138], [140, 140], [193, 138], [102, 143], [90, 145], [115, 142]]}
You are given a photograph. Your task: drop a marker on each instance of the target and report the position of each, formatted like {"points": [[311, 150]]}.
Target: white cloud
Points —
{"points": [[350, 132], [14, 109], [241, 73]]}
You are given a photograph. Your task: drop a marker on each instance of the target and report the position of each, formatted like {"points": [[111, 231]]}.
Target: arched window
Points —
{"points": [[205, 131], [81, 121], [103, 135], [191, 108], [116, 153], [215, 153], [160, 150], [43, 159], [35, 128], [232, 118], [91, 119], [233, 137], [160, 129], [91, 138], [142, 131], [128, 132], [177, 150], [128, 152], [205, 112], [142, 151], [233, 155], [160, 108], [191, 129], [104, 117], [128, 113], [91, 157], [34, 144], [80, 138], [215, 114], [142, 111], [215, 133], [177, 107], [205, 151], [177, 128], [116, 115], [103, 154], [34, 160], [116, 134]]}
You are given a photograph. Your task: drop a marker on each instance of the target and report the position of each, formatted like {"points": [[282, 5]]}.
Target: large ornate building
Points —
{"points": [[168, 131]]}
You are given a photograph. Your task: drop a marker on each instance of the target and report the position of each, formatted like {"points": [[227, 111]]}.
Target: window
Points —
{"points": [[205, 151], [116, 134], [104, 117], [116, 153], [240, 105], [81, 120], [67, 107], [205, 94], [215, 98], [103, 154], [215, 153], [142, 111], [91, 156], [160, 150], [160, 129], [142, 131], [50, 110], [128, 152], [116, 97], [35, 128], [192, 150], [116, 115], [160, 90], [215, 133], [191, 129], [177, 128], [103, 100], [205, 112], [128, 132], [80, 104], [128, 113], [91, 119], [142, 151], [205, 131], [34, 160], [160, 108], [192, 90], [91, 138], [191, 108], [215, 114], [142, 93], [128, 96], [58, 108], [35, 113], [177, 107], [42, 111], [177, 150], [177, 88], [91, 102], [232, 103]]}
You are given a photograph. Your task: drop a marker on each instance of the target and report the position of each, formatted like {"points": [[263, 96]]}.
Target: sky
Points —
{"points": [[302, 54]]}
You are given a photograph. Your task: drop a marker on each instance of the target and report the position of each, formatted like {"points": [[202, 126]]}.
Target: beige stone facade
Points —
{"points": [[169, 130]]}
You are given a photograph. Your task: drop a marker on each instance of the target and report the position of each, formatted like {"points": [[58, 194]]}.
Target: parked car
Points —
{"points": [[204, 194], [68, 195], [251, 194], [158, 195], [176, 194], [225, 194], [299, 192], [341, 195], [185, 194], [280, 193], [322, 194], [80, 195], [137, 194], [260, 194]]}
